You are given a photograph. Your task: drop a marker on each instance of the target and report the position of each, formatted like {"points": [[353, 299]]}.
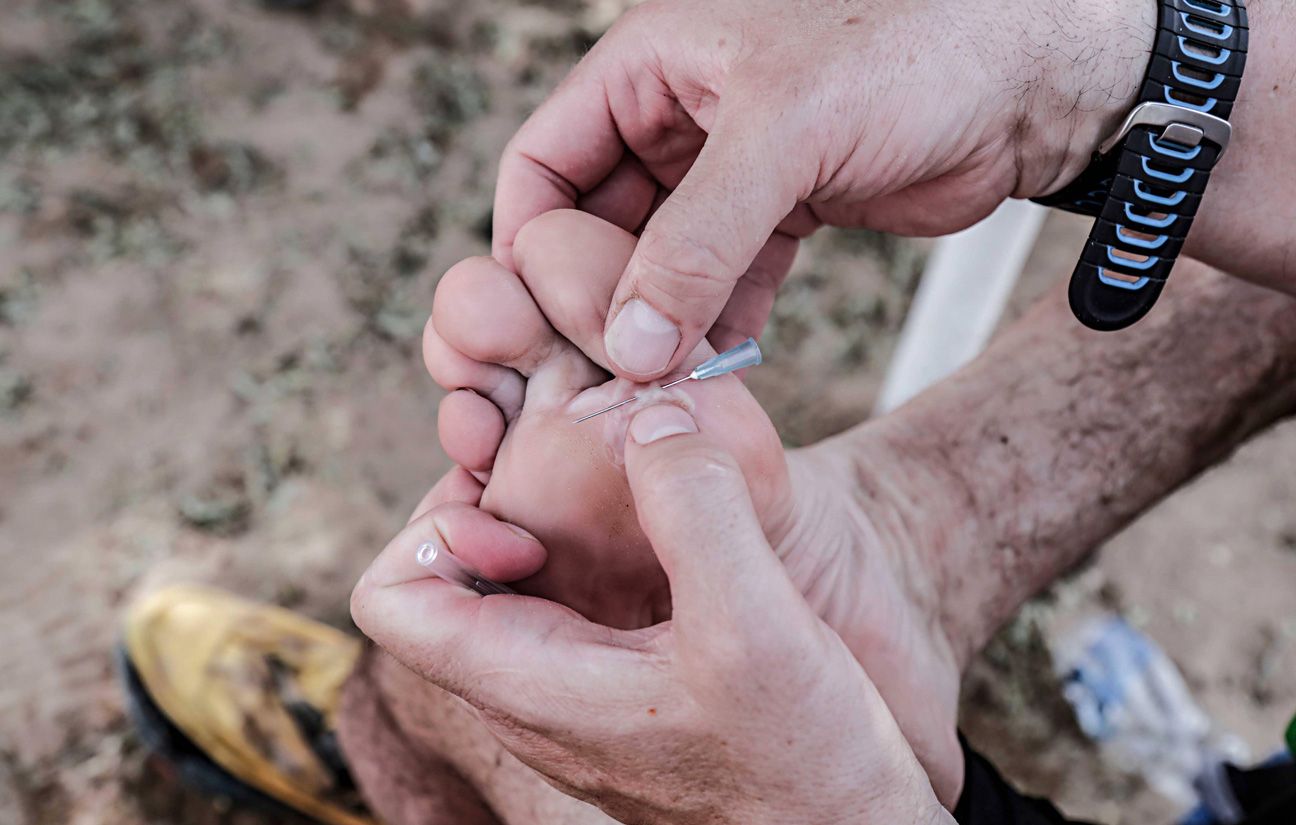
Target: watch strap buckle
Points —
{"points": [[1181, 125]]}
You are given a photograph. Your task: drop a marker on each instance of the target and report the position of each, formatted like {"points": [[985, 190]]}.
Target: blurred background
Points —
{"points": [[221, 225]]}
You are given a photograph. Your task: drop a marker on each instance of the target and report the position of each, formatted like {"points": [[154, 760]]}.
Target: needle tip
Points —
{"points": [[606, 409]]}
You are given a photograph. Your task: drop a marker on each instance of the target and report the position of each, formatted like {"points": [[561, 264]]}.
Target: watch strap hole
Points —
{"points": [[1120, 280], [1208, 7], [1204, 51]]}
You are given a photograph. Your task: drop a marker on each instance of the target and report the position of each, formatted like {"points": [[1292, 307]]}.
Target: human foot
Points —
{"points": [[523, 356], [519, 386]]}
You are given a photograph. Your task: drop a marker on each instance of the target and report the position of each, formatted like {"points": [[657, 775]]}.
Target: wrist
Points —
{"points": [[1244, 224], [1089, 61]]}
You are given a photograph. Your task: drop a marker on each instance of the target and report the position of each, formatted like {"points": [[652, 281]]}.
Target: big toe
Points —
{"points": [[571, 262]]}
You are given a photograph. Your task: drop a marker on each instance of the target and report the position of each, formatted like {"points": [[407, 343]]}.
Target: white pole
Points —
{"points": [[960, 299]]}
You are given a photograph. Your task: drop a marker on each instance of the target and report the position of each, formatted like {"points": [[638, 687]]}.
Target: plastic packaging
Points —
{"points": [[442, 562], [1131, 699]]}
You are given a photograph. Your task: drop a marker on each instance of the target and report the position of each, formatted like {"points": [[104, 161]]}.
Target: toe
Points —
{"points": [[455, 371], [471, 429], [485, 312], [571, 262]]}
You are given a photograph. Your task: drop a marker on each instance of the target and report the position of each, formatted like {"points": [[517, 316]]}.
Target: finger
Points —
{"points": [[624, 198], [694, 506], [458, 485], [749, 306], [455, 371], [566, 147], [504, 560], [695, 248], [498, 549], [497, 652], [571, 261], [965, 201], [484, 311], [801, 223], [658, 200], [471, 429]]}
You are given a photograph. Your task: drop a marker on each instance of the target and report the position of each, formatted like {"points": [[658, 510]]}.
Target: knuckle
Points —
{"points": [[514, 704], [700, 469], [730, 657], [595, 784], [492, 703], [681, 485], [762, 663], [755, 73], [677, 269], [360, 597]]}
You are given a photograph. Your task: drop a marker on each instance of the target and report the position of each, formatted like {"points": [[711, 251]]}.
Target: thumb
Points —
{"points": [[694, 506], [696, 247], [478, 648]]}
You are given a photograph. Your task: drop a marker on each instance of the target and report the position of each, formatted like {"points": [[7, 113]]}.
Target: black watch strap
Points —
{"points": [[1147, 180]]}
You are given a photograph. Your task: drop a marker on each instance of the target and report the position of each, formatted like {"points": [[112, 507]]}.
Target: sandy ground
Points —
{"points": [[220, 230]]}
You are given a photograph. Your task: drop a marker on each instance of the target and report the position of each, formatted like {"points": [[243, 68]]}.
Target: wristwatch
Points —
{"points": [[1146, 181]]}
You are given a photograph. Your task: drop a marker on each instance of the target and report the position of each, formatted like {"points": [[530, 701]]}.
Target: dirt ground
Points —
{"points": [[221, 224]]}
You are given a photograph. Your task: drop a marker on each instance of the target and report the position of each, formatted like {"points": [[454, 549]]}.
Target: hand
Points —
{"points": [[522, 355], [743, 708], [746, 123]]}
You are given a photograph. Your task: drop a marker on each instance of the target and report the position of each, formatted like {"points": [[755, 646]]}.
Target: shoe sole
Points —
{"points": [[193, 767]]}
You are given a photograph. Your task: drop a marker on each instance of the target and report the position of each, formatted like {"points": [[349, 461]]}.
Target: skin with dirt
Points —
{"points": [[221, 225]]}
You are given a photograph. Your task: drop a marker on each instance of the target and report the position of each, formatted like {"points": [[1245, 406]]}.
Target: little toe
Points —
{"points": [[471, 429]]}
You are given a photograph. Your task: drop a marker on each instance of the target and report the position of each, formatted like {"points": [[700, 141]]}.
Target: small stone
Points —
{"points": [[223, 509], [15, 390]]}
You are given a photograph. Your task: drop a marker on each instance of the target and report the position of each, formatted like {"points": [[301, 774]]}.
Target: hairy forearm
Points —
{"points": [[1026, 460], [1247, 221]]}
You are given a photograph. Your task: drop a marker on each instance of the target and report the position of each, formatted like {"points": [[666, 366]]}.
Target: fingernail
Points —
{"points": [[662, 421], [641, 340]]}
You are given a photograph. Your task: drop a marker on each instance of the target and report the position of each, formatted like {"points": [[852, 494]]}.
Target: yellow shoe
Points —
{"points": [[239, 694]]}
